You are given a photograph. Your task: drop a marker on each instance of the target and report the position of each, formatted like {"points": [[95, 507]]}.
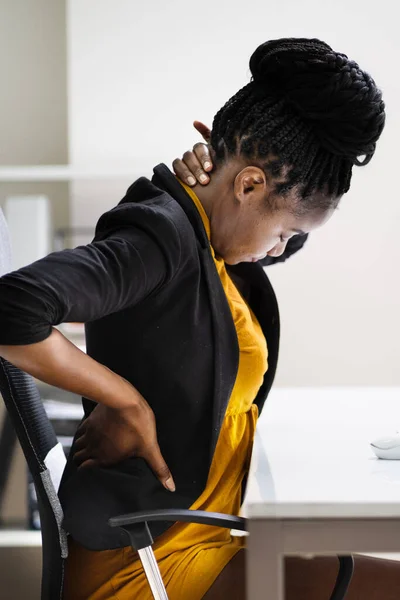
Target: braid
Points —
{"points": [[308, 111]]}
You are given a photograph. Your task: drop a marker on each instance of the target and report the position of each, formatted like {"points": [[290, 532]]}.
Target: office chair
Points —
{"points": [[46, 460]]}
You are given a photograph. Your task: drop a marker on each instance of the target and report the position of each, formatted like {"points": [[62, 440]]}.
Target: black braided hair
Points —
{"points": [[307, 117]]}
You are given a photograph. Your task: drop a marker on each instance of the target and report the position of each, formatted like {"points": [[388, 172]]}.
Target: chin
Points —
{"points": [[232, 260], [232, 263], [229, 259]]}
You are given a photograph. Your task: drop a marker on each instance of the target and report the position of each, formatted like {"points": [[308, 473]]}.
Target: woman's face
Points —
{"points": [[244, 227]]}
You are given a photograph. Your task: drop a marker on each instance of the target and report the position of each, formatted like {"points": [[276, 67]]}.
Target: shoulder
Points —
{"points": [[144, 206], [148, 214]]}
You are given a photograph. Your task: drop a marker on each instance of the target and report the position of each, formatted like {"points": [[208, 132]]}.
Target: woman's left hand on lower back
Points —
{"points": [[109, 435]]}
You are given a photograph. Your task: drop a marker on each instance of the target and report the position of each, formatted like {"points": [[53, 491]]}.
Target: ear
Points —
{"points": [[250, 184]]}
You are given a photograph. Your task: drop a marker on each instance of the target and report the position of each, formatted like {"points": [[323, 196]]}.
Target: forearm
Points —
{"points": [[58, 362]]}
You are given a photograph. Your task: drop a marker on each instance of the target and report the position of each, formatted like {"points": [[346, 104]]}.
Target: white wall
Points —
{"points": [[139, 73], [33, 99]]}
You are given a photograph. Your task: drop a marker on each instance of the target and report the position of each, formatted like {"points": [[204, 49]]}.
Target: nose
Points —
{"points": [[277, 250]]}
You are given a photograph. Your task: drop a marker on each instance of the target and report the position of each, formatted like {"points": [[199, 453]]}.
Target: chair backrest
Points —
{"points": [[43, 453]]}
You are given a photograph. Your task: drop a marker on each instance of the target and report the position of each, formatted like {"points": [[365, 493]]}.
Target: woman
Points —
{"points": [[182, 328]]}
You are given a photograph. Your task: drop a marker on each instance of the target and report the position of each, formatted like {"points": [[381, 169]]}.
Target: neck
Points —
{"points": [[206, 194], [213, 194]]}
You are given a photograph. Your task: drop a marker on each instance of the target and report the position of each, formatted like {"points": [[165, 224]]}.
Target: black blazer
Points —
{"points": [[156, 313]]}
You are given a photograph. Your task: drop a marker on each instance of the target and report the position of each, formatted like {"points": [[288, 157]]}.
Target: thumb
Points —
{"points": [[156, 462], [203, 130]]}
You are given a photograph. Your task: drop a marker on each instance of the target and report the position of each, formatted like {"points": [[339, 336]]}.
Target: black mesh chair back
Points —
{"points": [[46, 461]]}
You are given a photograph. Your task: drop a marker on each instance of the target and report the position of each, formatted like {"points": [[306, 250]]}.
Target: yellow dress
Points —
{"points": [[190, 556]]}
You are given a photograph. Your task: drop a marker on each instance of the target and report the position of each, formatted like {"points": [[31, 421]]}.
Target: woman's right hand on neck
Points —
{"points": [[122, 424], [195, 165]]}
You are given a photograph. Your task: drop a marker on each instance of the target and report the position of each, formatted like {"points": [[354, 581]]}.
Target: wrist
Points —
{"points": [[128, 397]]}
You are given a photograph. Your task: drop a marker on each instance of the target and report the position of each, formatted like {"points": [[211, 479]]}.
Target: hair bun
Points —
{"points": [[276, 61], [326, 89]]}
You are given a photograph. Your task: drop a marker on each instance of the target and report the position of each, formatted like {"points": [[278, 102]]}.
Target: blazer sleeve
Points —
{"points": [[294, 245], [124, 265]]}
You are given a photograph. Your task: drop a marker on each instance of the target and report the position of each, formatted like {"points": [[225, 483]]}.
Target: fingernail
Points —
{"points": [[203, 178], [191, 181], [169, 484], [207, 165]]}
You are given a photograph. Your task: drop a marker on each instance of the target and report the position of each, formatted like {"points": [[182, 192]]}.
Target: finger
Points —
{"points": [[81, 430], [202, 153], [203, 130], [80, 442], [195, 167], [155, 460], [91, 462], [82, 455], [183, 172]]}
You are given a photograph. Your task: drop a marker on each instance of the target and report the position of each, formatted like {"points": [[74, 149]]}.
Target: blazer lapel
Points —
{"points": [[226, 347]]}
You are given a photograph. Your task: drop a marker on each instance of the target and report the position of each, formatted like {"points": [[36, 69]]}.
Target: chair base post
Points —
{"points": [[153, 574]]}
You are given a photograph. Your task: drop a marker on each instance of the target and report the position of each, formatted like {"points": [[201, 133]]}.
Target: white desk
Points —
{"points": [[315, 486]]}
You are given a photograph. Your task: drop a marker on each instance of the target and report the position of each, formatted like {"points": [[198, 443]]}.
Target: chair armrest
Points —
{"points": [[135, 524], [202, 517]]}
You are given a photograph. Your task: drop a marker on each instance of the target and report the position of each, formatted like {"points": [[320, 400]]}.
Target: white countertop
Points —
{"points": [[312, 456]]}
